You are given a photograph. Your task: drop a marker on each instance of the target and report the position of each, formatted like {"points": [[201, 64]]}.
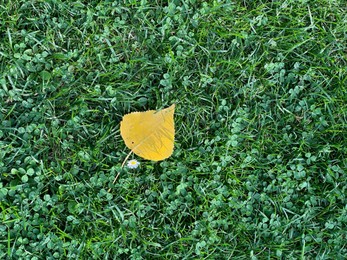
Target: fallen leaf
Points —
{"points": [[150, 134]]}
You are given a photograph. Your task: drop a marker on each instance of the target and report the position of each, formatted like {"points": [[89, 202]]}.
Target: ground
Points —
{"points": [[259, 165]]}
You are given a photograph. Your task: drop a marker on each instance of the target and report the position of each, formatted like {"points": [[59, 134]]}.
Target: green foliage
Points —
{"points": [[259, 166]]}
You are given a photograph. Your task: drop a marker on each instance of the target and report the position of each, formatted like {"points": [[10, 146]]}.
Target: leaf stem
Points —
{"points": [[126, 158]]}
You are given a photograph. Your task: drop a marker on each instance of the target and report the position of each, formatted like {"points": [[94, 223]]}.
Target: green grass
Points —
{"points": [[260, 159]]}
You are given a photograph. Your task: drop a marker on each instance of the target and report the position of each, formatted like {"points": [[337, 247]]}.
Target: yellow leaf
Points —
{"points": [[150, 134]]}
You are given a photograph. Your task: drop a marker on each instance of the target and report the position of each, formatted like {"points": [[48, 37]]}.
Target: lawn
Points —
{"points": [[259, 165]]}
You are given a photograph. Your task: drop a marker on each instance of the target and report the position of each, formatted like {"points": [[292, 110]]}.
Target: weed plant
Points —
{"points": [[260, 159]]}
